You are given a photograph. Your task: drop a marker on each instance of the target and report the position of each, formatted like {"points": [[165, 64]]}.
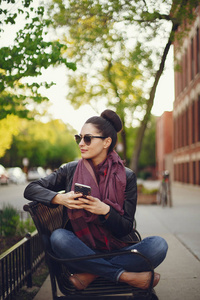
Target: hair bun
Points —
{"points": [[113, 118]]}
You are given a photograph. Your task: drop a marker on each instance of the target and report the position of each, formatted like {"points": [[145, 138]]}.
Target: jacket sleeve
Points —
{"points": [[123, 225], [45, 189]]}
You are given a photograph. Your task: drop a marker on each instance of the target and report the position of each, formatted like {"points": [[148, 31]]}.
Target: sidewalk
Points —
{"points": [[180, 226]]}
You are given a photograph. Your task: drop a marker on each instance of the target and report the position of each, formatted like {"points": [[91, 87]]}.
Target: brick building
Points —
{"points": [[183, 125], [164, 143], [186, 112]]}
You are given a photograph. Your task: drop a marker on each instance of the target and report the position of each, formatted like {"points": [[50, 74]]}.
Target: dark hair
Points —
{"points": [[108, 124]]}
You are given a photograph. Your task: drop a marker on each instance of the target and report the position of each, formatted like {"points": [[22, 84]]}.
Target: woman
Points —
{"points": [[103, 221]]}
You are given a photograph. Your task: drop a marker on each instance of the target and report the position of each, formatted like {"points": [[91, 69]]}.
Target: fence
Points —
{"points": [[18, 263]]}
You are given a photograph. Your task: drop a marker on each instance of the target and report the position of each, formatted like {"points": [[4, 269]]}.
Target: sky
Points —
{"points": [[61, 109]]}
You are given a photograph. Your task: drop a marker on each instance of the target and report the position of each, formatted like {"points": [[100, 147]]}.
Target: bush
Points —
{"points": [[25, 226], [11, 225], [141, 189], [149, 192], [144, 175], [9, 220]]}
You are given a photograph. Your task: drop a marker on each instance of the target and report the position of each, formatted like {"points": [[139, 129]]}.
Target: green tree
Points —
{"points": [[8, 127], [44, 144], [104, 33], [147, 155], [32, 51]]}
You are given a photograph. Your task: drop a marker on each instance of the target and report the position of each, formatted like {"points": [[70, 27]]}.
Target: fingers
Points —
{"points": [[76, 196]]}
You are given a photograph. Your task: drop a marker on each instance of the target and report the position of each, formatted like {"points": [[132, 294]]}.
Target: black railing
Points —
{"points": [[18, 264]]}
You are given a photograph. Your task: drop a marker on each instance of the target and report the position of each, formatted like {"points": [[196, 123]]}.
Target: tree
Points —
{"points": [[102, 31], [8, 127], [119, 82], [32, 51], [147, 155], [44, 144]]}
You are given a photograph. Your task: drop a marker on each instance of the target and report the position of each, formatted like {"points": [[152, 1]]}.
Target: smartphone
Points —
{"points": [[81, 188]]}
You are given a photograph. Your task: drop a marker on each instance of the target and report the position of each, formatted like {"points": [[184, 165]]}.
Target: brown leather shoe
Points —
{"points": [[82, 280]]}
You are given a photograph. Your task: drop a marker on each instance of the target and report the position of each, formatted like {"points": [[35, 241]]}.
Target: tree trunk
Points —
{"points": [[144, 122], [123, 137]]}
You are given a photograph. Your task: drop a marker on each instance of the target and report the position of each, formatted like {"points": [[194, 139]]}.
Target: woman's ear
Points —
{"points": [[107, 142]]}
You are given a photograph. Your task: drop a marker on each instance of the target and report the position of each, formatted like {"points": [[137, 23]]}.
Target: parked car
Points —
{"points": [[4, 177], [16, 175], [36, 173]]}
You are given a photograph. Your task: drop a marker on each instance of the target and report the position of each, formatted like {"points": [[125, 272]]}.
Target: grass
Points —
{"points": [[39, 277]]}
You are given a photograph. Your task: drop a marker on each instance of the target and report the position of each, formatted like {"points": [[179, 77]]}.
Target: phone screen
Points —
{"points": [[81, 188]]}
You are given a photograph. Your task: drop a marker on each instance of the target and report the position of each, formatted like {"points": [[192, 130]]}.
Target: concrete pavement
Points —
{"points": [[180, 226]]}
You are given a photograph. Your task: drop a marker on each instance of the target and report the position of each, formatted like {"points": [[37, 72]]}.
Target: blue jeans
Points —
{"points": [[65, 244]]}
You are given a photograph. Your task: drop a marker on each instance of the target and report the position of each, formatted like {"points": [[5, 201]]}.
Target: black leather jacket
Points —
{"points": [[45, 189]]}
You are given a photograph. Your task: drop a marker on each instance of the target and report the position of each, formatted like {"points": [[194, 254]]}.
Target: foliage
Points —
{"points": [[9, 220], [44, 144], [31, 52], [25, 226], [120, 48], [11, 224], [8, 127], [147, 155], [145, 191]]}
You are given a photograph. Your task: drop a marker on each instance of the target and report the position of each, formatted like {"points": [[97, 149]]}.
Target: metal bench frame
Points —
{"points": [[47, 219]]}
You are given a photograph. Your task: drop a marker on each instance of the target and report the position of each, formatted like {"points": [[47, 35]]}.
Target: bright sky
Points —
{"points": [[61, 108]]}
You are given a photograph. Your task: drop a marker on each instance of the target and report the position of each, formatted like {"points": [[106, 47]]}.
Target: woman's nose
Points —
{"points": [[82, 141]]}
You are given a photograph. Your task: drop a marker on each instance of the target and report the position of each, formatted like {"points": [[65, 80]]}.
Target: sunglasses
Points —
{"points": [[87, 138]]}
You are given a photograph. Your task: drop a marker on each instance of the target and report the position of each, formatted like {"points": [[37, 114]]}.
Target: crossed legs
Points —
{"points": [[128, 268]]}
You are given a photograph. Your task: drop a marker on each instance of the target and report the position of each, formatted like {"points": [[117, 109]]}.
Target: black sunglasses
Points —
{"points": [[87, 138]]}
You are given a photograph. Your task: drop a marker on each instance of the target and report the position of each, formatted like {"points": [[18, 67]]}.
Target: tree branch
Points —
{"points": [[142, 128]]}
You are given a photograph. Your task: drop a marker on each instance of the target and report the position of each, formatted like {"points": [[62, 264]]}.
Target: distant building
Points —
{"points": [[164, 143], [182, 156], [186, 112]]}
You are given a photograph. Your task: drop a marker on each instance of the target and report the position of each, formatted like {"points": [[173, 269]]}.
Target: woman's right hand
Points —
{"points": [[68, 199]]}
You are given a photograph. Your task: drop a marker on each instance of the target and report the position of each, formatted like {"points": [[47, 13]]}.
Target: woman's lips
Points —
{"points": [[83, 150]]}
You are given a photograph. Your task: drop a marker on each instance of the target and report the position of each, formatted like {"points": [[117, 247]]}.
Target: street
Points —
{"points": [[13, 194]]}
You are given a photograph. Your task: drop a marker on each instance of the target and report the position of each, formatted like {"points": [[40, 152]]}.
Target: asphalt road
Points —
{"points": [[13, 194]]}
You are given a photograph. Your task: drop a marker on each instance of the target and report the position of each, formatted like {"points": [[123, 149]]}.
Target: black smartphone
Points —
{"points": [[81, 188]]}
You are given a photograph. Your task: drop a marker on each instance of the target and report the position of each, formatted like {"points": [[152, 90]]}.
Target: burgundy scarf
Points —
{"points": [[108, 183]]}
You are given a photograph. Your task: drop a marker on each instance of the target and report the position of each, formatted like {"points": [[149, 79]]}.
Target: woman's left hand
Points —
{"points": [[94, 205]]}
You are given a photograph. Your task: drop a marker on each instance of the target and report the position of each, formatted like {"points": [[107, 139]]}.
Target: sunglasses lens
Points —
{"points": [[87, 140], [77, 138]]}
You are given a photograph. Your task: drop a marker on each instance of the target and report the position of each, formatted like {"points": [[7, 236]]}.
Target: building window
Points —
{"points": [[199, 172], [179, 172], [187, 126], [198, 119], [198, 51], [193, 122], [185, 173], [188, 172], [186, 69], [192, 59], [175, 168], [194, 172], [182, 74], [179, 131]]}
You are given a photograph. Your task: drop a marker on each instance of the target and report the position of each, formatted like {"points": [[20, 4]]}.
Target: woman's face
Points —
{"points": [[98, 149]]}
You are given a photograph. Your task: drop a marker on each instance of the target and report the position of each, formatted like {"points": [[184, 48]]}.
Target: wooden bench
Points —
{"points": [[46, 220]]}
